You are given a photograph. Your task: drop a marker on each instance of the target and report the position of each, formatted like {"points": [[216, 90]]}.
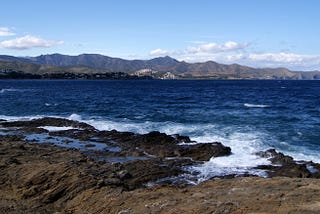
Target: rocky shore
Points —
{"points": [[78, 169]]}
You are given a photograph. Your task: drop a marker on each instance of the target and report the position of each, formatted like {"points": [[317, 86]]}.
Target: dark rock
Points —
{"points": [[146, 171], [48, 121], [182, 139], [203, 151], [276, 157], [124, 174], [34, 130], [163, 145], [12, 160], [11, 138], [84, 135], [283, 165]]}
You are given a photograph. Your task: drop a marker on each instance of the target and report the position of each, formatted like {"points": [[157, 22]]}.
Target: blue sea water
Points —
{"points": [[248, 116]]}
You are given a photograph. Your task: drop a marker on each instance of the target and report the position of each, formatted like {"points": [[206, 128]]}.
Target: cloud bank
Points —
{"points": [[4, 31], [28, 42], [202, 49], [233, 52]]}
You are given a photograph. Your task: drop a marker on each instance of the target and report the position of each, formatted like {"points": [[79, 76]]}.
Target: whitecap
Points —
{"points": [[255, 105], [8, 90], [242, 160], [20, 118], [50, 104], [75, 117]]}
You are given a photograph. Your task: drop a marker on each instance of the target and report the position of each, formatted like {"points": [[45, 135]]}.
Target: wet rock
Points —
{"points": [[48, 121], [276, 157], [203, 151], [146, 171], [124, 174], [182, 139], [41, 178], [84, 135], [163, 145], [11, 138], [283, 165]]}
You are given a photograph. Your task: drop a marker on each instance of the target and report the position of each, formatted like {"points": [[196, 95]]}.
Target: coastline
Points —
{"points": [[45, 178]]}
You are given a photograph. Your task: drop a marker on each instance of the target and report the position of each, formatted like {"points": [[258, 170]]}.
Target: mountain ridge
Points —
{"points": [[96, 63]]}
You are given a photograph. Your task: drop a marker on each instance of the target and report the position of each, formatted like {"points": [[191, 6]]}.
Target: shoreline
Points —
{"points": [[42, 177]]}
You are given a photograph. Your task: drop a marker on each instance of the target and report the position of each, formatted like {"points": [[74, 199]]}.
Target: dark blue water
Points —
{"points": [[246, 115]]}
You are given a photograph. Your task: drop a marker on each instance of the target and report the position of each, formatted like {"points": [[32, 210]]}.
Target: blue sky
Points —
{"points": [[258, 33]]}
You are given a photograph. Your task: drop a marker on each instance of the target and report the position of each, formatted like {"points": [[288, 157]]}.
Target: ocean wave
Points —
{"points": [[50, 104], [8, 90], [5, 90], [56, 128], [20, 118], [256, 105], [241, 161], [75, 117]]}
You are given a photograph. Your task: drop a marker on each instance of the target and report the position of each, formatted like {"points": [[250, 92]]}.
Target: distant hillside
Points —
{"points": [[162, 67]]}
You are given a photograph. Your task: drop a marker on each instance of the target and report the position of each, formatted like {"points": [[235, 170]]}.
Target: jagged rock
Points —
{"points": [[203, 151], [283, 165], [276, 157]]}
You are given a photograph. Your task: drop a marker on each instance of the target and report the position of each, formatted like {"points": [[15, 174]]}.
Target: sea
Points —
{"points": [[247, 115]]}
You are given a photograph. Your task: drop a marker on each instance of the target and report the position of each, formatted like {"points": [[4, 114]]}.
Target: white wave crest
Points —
{"points": [[75, 117], [50, 104], [21, 118], [56, 128], [241, 161], [8, 90], [256, 105]]}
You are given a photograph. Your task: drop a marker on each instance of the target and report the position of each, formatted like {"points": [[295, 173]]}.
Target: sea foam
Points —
{"points": [[56, 128]]}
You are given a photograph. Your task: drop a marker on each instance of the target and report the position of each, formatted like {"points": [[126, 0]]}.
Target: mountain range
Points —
{"points": [[161, 67]]}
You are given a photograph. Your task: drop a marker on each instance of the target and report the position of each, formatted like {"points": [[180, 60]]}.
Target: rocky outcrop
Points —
{"points": [[133, 160], [39, 177], [162, 145], [42, 178], [284, 165]]}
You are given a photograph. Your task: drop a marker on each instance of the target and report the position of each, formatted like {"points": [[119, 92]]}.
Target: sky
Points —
{"points": [[257, 33]]}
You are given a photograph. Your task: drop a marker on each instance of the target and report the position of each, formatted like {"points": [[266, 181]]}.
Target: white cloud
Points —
{"points": [[159, 52], [280, 57], [233, 52], [202, 48], [215, 47], [288, 60], [4, 31], [27, 42]]}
